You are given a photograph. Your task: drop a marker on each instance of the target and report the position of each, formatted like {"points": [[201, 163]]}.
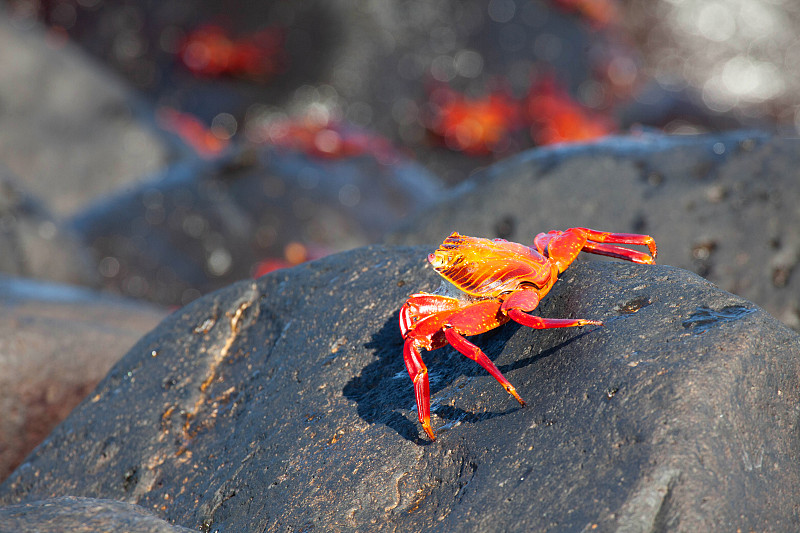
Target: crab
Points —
{"points": [[489, 282]]}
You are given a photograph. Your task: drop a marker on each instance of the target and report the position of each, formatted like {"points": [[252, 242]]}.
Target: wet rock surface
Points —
{"points": [[723, 206], [57, 343], [283, 404]]}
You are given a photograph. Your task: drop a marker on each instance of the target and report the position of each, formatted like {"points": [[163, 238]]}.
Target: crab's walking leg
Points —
{"points": [[419, 375], [527, 300], [537, 322], [476, 354]]}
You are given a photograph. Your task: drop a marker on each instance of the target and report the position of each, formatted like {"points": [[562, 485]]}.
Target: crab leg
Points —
{"points": [[476, 354], [419, 375], [526, 300], [537, 322]]}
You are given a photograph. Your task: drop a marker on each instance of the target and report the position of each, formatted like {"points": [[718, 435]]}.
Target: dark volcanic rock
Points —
{"points": [[283, 404], [82, 515], [724, 206], [57, 343], [192, 231]]}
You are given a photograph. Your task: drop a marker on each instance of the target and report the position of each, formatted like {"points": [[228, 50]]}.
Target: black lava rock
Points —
{"points": [[284, 404]]}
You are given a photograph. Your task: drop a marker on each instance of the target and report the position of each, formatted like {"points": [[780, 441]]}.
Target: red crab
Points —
{"points": [[476, 127], [490, 283], [211, 51], [556, 117]]}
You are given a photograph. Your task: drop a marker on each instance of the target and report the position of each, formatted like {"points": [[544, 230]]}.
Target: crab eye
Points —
{"points": [[437, 259]]}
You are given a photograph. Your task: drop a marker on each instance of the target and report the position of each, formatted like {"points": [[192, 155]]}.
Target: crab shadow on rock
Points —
{"points": [[384, 392]]}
